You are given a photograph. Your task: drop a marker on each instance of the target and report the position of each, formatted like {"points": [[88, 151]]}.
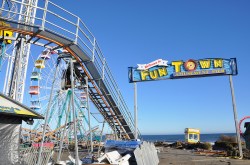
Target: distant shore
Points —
{"points": [[180, 137]]}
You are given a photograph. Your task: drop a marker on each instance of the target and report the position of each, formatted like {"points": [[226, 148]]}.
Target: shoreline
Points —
{"points": [[211, 138], [187, 157]]}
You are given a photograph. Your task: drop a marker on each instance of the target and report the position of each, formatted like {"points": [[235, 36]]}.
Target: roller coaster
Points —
{"points": [[65, 70]]}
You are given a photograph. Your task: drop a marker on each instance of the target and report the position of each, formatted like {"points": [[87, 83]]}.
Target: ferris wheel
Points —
{"points": [[52, 68]]}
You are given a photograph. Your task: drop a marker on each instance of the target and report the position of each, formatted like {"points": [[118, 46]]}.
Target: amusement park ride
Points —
{"points": [[61, 80]]}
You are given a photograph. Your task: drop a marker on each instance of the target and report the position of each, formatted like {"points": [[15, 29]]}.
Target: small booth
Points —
{"points": [[192, 135], [12, 113]]}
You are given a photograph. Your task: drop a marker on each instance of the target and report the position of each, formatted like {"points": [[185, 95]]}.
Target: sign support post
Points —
{"points": [[235, 116], [135, 110]]}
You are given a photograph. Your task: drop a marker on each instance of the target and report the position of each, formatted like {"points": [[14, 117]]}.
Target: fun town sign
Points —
{"points": [[161, 69]]}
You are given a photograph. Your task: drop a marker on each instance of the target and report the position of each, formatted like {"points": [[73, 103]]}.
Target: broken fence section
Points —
{"points": [[146, 154]]}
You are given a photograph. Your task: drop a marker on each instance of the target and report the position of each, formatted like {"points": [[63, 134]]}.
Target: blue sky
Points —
{"points": [[141, 31], [135, 32]]}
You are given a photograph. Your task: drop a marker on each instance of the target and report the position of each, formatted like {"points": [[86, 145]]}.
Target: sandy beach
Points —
{"points": [[187, 157]]}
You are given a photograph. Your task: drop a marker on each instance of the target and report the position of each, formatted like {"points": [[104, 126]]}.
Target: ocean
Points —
{"points": [[181, 137]]}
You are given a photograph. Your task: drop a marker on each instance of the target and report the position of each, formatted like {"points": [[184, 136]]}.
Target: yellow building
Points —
{"points": [[192, 135]]}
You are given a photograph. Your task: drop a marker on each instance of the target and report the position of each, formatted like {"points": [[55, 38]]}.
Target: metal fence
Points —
{"points": [[29, 156]]}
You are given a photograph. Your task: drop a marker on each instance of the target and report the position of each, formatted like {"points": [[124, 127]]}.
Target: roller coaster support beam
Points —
{"points": [[16, 75], [64, 131], [74, 111], [99, 147], [47, 115], [88, 108]]}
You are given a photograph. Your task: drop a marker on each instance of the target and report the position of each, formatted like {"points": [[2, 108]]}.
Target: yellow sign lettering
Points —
{"points": [[177, 65], [205, 64], [153, 74], [162, 72], [218, 71], [144, 74], [218, 63]]}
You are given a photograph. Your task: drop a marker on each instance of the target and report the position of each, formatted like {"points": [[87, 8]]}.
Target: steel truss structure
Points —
{"points": [[48, 25], [15, 77]]}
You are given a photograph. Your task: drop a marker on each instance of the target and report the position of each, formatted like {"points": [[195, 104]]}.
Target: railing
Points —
{"points": [[54, 18]]}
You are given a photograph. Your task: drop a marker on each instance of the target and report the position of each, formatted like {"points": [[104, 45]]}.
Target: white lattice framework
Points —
{"points": [[18, 62]]}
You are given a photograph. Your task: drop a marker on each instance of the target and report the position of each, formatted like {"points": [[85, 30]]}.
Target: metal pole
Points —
{"points": [[93, 51], [135, 109], [16, 93], [6, 75], [77, 29], [103, 68], [99, 147], [63, 134], [46, 117], [74, 113], [235, 116], [115, 131], [87, 98], [3, 3], [44, 13]]}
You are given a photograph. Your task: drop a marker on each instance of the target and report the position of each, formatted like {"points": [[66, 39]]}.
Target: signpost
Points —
{"points": [[135, 110], [161, 70], [235, 116]]}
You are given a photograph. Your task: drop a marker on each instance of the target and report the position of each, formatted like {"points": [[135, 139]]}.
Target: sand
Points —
{"points": [[187, 157]]}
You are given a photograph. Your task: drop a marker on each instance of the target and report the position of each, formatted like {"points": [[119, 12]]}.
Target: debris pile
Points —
{"points": [[119, 152], [225, 146], [129, 153]]}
